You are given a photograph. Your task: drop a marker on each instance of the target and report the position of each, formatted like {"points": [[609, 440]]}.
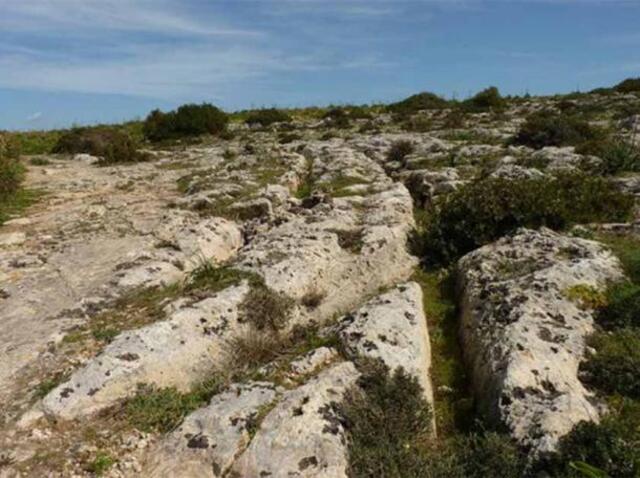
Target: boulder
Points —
{"points": [[302, 436], [392, 327], [209, 440], [524, 332]]}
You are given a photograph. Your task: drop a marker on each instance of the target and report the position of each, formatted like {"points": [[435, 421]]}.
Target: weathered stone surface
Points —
{"points": [[97, 233], [426, 185], [353, 248], [312, 361], [176, 352], [392, 327], [210, 439], [302, 435], [513, 171], [523, 335]]}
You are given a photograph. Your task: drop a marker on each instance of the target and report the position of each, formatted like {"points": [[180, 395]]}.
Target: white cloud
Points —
{"points": [[161, 16], [160, 72], [150, 48], [34, 117]]}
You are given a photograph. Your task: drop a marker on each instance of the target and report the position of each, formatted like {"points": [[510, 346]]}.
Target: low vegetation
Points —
{"points": [[187, 121], [267, 117], [209, 277], [161, 410], [617, 155], [11, 169], [488, 99], [453, 407], [493, 207], [338, 118], [419, 102], [388, 422], [399, 150], [547, 128], [613, 369], [390, 434], [266, 309], [110, 145], [101, 464], [610, 448], [622, 307], [13, 198], [630, 85]]}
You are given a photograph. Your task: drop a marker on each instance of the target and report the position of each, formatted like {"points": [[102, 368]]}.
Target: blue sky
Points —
{"points": [[86, 61]]}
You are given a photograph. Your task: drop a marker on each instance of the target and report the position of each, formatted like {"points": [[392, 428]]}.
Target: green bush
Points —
{"points": [[627, 248], [487, 209], [486, 100], [359, 112], [617, 155], [266, 309], [628, 86], [615, 367], [266, 117], [187, 120], [612, 446], [111, 145], [11, 170], [490, 454], [622, 307], [389, 432], [551, 129], [399, 150], [415, 103], [338, 117], [387, 421]]}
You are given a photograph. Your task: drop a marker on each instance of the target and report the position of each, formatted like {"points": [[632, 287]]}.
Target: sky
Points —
{"points": [[65, 62]]}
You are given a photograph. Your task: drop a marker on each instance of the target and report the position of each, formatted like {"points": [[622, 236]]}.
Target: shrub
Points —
{"points": [[359, 112], [252, 349], [399, 150], [387, 421], [489, 208], [627, 248], [490, 454], [617, 155], [628, 86], [612, 446], [486, 100], [614, 368], [11, 170], [338, 117], [111, 145], [552, 129], [622, 307], [388, 425], [266, 117], [456, 118], [188, 120], [266, 309], [415, 103]]}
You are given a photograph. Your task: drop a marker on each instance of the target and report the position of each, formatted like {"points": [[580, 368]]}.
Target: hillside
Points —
{"points": [[431, 288]]}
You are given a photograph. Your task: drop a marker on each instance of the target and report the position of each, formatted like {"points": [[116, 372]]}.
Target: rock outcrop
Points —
{"points": [[343, 251], [524, 332], [392, 327]]}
